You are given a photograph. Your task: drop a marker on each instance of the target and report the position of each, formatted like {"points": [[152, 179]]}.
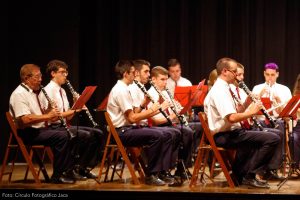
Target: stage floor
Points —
{"points": [[126, 190]]}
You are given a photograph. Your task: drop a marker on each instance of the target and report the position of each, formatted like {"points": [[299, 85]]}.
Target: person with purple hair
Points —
{"points": [[279, 95]]}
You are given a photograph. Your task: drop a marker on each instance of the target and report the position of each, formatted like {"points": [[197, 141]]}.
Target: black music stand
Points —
{"points": [[289, 113]]}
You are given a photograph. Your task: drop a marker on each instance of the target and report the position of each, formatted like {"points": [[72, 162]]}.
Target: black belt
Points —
{"points": [[123, 129], [55, 125]]}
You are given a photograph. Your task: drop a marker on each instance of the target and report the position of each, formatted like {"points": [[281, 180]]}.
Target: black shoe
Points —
{"points": [[154, 180], [62, 180], [184, 175], [166, 177], [87, 173], [178, 181], [253, 182], [75, 175], [272, 176]]}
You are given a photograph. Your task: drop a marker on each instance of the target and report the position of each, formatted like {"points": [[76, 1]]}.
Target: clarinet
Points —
{"points": [[152, 100], [181, 118], [253, 119], [263, 110], [62, 121], [76, 96]]}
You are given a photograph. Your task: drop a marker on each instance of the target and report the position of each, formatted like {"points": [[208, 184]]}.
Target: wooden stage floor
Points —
{"points": [[124, 189]]}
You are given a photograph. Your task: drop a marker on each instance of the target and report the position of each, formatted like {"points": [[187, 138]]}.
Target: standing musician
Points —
{"points": [[24, 106], [91, 140], [159, 76], [242, 101], [254, 148], [126, 119]]}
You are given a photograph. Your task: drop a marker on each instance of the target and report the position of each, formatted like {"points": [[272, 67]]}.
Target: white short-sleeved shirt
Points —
{"points": [[217, 105], [155, 96], [242, 93], [137, 98], [283, 92], [23, 101], [119, 101], [59, 98], [136, 94], [181, 82]]}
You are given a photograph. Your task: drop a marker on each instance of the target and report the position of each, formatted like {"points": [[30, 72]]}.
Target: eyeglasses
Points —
{"points": [[36, 76], [233, 71], [65, 73]]}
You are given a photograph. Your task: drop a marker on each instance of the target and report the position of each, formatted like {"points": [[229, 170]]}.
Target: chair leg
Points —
{"points": [[27, 169], [212, 167], [41, 165], [4, 163], [8, 150], [115, 162]]}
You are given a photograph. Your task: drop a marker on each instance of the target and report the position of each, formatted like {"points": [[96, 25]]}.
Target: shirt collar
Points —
{"points": [[54, 85], [26, 87]]}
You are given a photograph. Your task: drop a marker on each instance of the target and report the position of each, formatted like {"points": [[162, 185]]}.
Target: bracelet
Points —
{"points": [[142, 107]]}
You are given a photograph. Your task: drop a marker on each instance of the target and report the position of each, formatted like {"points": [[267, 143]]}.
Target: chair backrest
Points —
{"points": [[217, 154], [120, 147], [24, 151]]}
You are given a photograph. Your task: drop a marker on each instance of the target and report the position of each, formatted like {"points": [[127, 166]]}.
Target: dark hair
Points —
{"points": [[138, 64], [123, 66], [54, 65], [172, 62]]}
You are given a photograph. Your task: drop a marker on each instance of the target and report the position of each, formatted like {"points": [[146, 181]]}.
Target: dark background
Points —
{"points": [[91, 36]]}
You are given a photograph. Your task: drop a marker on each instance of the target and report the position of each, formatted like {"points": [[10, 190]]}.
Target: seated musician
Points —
{"points": [[278, 95], [175, 78], [24, 106], [254, 148], [90, 140], [157, 91], [121, 109], [140, 101]]}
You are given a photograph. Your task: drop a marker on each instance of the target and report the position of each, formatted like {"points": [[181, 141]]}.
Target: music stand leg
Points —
{"points": [[291, 163]]}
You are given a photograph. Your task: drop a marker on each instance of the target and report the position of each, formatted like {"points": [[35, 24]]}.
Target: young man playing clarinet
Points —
{"points": [[158, 91], [141, 100], [126, 120], [90, 140]]}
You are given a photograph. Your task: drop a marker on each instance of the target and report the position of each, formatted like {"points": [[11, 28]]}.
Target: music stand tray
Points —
{"points": [[190, 96], [84, 97]]}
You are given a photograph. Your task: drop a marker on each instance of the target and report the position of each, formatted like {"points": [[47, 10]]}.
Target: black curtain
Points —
{"points": [[91, 36]]}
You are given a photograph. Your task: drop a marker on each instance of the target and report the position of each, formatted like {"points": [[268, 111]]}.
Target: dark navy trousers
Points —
{"points": [[255, 149]]}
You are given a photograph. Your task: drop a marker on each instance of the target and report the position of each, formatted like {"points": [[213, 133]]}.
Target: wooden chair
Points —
{"points": [[114, 148], [223, 156], [28, 152]]}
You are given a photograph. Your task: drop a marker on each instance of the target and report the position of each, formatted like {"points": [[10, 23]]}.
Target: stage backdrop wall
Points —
{"points": [[91, 36]]}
